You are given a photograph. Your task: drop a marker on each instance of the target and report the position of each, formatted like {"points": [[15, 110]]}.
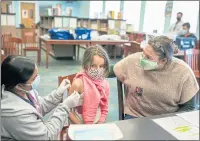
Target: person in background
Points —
{"points": [[22, 109], [177, 27], [186, 31], [90, 83], [156, 82]]}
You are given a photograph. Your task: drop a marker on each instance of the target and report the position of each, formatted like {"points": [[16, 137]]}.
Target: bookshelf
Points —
{"points": [[104, 26], [8, 23], [65, 22]]}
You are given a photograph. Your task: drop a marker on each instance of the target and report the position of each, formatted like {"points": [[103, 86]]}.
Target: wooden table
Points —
{"points": [[49, 42], [88, 43]]}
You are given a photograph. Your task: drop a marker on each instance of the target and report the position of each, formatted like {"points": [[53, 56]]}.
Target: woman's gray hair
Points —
{"points": [[163, 46], [91, 52]]}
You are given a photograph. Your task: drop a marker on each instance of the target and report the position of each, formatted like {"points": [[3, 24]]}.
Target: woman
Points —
{"points": [[93, 87], [21, 107], [157, 83]]}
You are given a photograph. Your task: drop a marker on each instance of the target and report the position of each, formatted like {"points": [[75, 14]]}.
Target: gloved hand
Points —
{"points": [[73, 100], [65, 84]]}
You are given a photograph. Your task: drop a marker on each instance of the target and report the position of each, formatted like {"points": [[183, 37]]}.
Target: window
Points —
{"points": [[132, 13], [154, 17], [95, 7], [112, 6], [189, 15]]}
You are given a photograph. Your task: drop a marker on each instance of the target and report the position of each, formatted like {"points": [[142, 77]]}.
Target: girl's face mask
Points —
{"points": [[96, 74], [147, 64]]}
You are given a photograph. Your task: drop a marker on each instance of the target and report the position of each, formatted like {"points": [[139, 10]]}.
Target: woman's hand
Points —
{"points": [[73, 100], [65, 84]]}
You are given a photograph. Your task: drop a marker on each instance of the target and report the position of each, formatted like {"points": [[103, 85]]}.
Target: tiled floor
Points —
{"points": [[49, 79]]}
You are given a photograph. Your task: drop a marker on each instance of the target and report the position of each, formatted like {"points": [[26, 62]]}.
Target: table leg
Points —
{"points": [[125, 51], [78, 52], [115, 52], [47, 55], [40, 52]]}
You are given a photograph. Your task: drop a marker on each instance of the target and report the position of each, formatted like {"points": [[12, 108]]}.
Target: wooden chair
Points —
{"points": [[63, 134], [197, 45], [121, 91], [70, 77], [13, 46], [192, 58], [4, 40], [29, 37]]}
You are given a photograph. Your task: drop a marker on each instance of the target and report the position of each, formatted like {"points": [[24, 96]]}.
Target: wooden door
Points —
{"points": [[28, 14]]}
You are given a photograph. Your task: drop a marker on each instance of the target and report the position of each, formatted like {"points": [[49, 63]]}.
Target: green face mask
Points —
{"points": [[148, 65]]}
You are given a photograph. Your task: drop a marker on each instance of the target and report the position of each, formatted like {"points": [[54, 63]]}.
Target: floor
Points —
{"points": [[49, 79]]}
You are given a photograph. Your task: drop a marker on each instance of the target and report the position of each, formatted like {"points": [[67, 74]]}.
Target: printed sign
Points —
{"points": [[24, 13]]}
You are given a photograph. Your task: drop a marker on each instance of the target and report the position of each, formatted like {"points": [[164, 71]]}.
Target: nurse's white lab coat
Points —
{"points": [[21, 121]]}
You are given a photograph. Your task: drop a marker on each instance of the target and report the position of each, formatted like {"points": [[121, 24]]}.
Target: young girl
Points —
{"points": [[92, 87]]}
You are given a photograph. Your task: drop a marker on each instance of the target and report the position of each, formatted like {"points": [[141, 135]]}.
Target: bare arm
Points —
{"points": [[76, 86]]}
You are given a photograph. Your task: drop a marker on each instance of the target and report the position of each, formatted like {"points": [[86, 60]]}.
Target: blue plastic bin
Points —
{"points": [[60, 34], [83, 33]]}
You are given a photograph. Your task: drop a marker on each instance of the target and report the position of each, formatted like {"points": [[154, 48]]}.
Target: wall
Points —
{"points": [[167, 20], [74, 5], [197, 32], [83, 9]]}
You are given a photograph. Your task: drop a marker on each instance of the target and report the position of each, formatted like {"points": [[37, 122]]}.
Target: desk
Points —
{"points": [[144, 129], [88, 43], [49, 42]]}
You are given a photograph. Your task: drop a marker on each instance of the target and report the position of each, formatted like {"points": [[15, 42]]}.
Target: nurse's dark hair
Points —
{"points": [[163, 46], [15, 70]]}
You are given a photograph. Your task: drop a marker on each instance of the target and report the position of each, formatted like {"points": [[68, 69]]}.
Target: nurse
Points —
{"points": [[22, 109]]}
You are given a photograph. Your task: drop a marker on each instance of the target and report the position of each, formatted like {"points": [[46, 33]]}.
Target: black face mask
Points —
{"points": [[178, 18]]}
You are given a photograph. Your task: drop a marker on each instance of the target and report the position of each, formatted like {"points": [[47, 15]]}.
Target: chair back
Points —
{"points": [[120, 99], [70, 77], [4, 39], [192, 58], [197, 45], [29, 38], [13, 46]]}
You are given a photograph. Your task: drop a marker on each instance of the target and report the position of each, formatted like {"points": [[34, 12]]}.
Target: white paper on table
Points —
{"points": [[192, 117], [95, 132], [179, 128]]}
